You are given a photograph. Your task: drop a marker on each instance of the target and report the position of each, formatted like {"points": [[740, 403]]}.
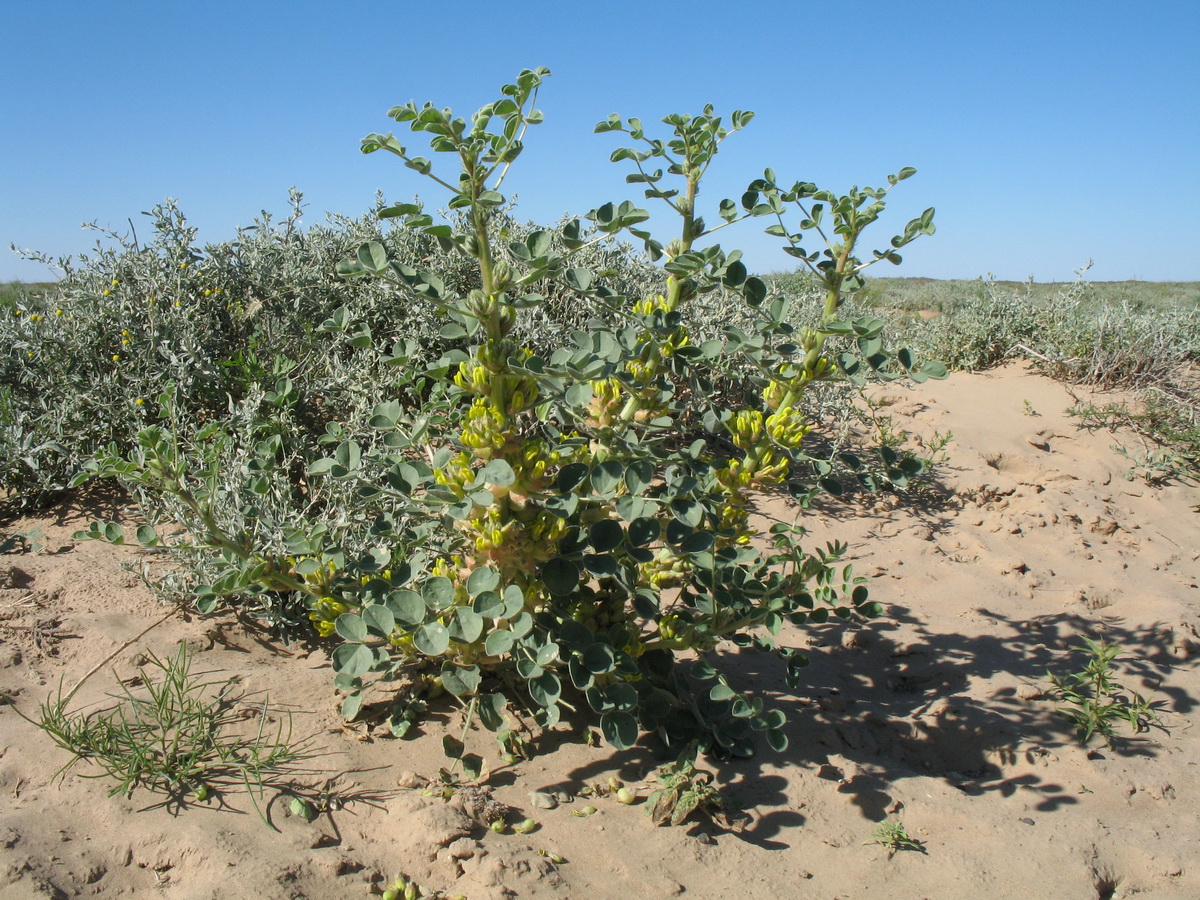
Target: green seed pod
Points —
{"points": [[391, 894], [201, 793], [412, 891], [586, 811], [626, 796], [529, 825], [499, 826], [302, 808]]}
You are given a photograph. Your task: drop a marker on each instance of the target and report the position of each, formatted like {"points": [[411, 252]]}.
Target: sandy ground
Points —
{"points": [[935, 716]]}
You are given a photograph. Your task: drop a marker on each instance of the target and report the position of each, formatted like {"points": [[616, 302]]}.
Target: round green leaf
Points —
{"points": [[603, 565], [561, 576], [351, 704], [630, 507], [599, 659], [489, 604], [514, 601], [408, 606], [606, 477], [638, 475], [482, 579], [438, 592], [545, 689], [619, 729], [579, 394], [606, 535], [379, 620], [623, 695], [678, 532], [721, 691], [687, 511], [499, 473], [521, 625], [432, 639], [643, 531], [547, 654], [461, 681], [571, 476], [499, 642], [466, 626], [353, 660], [351, 627], [697, 542]]}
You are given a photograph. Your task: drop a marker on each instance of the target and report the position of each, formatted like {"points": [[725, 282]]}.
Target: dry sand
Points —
{"points": [[935, 716]]}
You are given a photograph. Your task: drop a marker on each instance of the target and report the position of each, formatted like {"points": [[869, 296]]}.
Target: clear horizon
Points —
{"points": [[1046, 135]]}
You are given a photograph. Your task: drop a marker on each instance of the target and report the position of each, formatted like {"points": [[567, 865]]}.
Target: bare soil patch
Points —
{"points": [[935, 715]]}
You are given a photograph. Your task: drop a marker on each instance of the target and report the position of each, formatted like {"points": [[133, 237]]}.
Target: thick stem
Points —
{"points": [[675, 285]]}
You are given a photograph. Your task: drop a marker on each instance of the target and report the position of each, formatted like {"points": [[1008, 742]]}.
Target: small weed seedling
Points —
{"points": [[1097, 699], [171, 737], [894, 837], [683, 790]]}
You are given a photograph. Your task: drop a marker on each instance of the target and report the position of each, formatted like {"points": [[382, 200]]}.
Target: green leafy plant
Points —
{"points": [[531, 529], [895, 837], [683, 790], [1098, 699], [175, 736], [1166, 417]]}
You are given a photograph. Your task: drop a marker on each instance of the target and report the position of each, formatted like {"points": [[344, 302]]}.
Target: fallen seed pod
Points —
{"points": [[586, 811], [201, 793], [526, 827], [626, 796], [499, 826], [302, 808]]}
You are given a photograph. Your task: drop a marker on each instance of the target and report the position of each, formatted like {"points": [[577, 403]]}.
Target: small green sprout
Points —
{"points": [[894, 836]]}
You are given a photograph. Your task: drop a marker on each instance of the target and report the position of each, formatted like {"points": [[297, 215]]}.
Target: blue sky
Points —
{"points": [[1045, 133]]}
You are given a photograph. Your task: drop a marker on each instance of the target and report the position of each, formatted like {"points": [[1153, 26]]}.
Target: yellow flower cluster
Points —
{"points": [[787, 427], [666, 570], [746, 428], [606, 402], [486, 378], [324, 614], [485, 429], [650, 305], [325, 611]]}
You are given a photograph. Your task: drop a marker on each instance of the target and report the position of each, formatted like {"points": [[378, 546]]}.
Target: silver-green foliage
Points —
{"points": [[83, 360], [1072, 333]]}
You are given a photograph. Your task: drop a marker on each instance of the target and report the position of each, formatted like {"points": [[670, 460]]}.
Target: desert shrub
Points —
{"points": [[1142, 338], [538, 529], [85, 359], [1074, 332]]}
